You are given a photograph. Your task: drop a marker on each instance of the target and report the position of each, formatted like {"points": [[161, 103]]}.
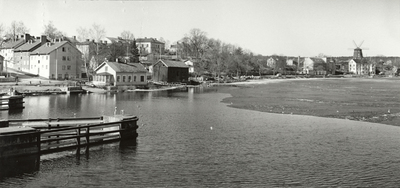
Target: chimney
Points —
{"points": [[43, 39], [38, 38], [74, 37], [27, 37], [87, 40]]}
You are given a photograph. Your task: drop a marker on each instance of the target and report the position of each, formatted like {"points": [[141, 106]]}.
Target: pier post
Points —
{"points": [[3, 123], [129, 128]]}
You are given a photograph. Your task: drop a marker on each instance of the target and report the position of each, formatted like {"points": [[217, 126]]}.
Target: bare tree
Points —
{"points": [[1, 34], [97, 32], [16, 28], [196, 39], [83, 34], [127, 35], [51, 31]]}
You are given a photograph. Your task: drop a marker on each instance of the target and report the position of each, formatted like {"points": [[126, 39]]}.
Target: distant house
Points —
{"points": [[22, 53], [277, 63], [314, 65], [170, 71], [149, 48], [7, 50], [120, 74], [56, 60], [190, 65], [360, 67]]}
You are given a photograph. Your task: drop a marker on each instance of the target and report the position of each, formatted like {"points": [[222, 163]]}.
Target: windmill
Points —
{"points": [[358, 51]]}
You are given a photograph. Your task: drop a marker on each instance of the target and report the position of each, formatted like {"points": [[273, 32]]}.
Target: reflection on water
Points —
{"points": [[190, 139]]}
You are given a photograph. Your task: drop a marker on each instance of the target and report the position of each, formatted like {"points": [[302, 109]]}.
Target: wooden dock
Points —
{"points": [[42, 136], [11, 102]]}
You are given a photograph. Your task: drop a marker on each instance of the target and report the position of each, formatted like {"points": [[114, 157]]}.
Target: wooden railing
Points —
{"points": [[52, 135]]}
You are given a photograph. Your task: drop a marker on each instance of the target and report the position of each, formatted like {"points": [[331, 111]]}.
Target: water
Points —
{"points": [[191, 139]]}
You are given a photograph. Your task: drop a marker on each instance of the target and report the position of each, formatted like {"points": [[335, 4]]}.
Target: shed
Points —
{"points": [[170, 71]]}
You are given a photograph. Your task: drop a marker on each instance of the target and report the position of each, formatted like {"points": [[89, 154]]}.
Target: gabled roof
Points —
{"points": [[28, 46], [178, 64], [13, 44], [46, 49], [153, 40], [317, 60], [122, 67], [71, 40]]}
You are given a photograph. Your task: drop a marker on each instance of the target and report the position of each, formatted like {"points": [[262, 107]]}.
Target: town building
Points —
{"points": [[56, 60], [7, 50], [22, 53], [149, 48], [190, 65], [120, 74], [170, 71]]}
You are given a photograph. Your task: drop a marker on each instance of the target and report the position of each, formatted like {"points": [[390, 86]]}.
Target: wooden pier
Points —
{"points": [[42, 136], [12, 102]]}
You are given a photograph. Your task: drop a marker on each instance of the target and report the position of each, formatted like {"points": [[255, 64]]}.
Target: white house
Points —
{"points": [[190, 65], [120, 74], [56, 60]]}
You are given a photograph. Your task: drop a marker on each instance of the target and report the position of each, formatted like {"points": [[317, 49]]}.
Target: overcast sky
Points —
{"points": [[287, 27]]}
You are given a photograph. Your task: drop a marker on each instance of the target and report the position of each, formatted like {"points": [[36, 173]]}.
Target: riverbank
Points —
{"points": [[361, 99]]}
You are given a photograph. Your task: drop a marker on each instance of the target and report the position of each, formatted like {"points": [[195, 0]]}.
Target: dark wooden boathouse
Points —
{"points": [[170, 71]]}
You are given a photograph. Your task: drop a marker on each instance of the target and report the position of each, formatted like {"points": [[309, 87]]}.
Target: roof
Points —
{"points": [[173, 64], [28, 46], [13, 44], [317, 60], [122, 67], [45, 49], [153, 40], [71, 40]]}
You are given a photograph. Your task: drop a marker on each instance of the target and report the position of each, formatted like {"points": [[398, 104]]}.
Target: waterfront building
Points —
{"points": [[56, 60], [170, 71], [22, 53], [120, 74], [7, 50]]}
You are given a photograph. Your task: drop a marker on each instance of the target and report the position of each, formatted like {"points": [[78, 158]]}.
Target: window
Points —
{"points": [[118, 79], [63, 49], [64, 58], [68, 58], [134, 78], [69, 67], [59, 76], [142, 78], [38, 61], [129, 78], [52, 76], [123, 78], [63, 67], [47, 57]]}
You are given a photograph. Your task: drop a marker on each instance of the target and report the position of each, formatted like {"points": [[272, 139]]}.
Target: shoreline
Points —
{"points": [[341, 98]]}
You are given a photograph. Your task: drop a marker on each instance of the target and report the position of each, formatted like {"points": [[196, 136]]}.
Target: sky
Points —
{"points": [[285, 27]]}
